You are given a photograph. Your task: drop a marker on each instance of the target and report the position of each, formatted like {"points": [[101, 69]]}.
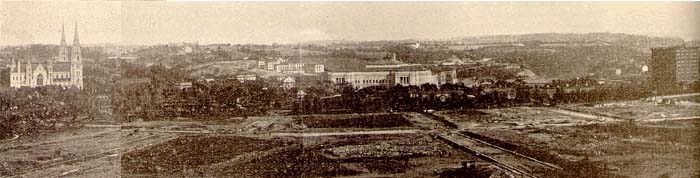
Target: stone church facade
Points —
{"points": [[65, 70]]}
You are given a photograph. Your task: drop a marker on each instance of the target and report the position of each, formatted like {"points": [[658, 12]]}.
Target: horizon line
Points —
{"points": [[356, 41]]}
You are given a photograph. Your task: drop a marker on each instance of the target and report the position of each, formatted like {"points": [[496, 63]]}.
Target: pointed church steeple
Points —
{"points": [[63, 34], [63, 49], [75, 54]]}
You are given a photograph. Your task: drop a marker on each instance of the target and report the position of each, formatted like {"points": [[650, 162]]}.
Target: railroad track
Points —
{"points": [[519, 164]]}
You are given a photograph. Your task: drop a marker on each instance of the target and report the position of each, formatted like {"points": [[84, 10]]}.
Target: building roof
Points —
{"points": [[537, 81], [61, 67], [314, 60], [386, 62], [33, 64], [288, 80], [388, 69], [440, 68], [344, 64]]}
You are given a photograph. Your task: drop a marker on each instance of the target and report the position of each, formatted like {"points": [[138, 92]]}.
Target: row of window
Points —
{"points": [[18, 78], [22, 77], [60, 76], [405, 80], [371, 81], [686, 53], [340, 80]]}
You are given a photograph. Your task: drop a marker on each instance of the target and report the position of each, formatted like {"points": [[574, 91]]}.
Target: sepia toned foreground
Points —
{"points": [[568, 141]]}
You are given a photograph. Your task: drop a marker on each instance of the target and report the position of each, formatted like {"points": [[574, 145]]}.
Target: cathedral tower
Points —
{"points": [[64, 70], [76, 61], [75, 54], [63, 49]]}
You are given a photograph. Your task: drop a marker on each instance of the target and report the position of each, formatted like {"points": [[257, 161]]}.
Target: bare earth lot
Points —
{"points": [[354, 121], [365, 145], [346, 145], [643, 111], [87, 152], [626, 148], [380, 155]]}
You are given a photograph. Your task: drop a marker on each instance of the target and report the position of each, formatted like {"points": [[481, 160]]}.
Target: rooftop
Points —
{"points": [[387, 69]]}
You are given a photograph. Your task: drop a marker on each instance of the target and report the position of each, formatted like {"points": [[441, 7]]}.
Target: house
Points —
{"points": [[291, 68], [262, 64], [314, 68], [271, 64], [288, 83], [287, 67], [537, 82], [184, 85], [246, 77], [444, 74], [103, 105]]}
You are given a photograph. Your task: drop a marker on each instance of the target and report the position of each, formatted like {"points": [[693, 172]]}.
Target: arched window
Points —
{"points": [[39, 80]]}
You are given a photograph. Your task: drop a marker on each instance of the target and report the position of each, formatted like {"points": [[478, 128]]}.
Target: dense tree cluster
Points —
{"points": [[227, 97], [27, 111], [449, 96]]}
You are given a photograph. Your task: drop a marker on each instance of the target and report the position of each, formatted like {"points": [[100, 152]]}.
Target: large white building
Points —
{"points": [[64, 70], [284, 66], [394, 72]]}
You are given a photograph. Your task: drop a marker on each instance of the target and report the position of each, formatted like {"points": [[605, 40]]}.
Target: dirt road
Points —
{"points": [[584, 115]]}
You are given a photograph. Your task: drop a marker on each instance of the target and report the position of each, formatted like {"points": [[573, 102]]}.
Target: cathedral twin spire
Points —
{"points": [[63, 50]]}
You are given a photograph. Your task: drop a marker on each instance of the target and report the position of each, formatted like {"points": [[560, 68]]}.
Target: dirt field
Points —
{"points": [[87, 152], [354, 121], [633, 149], [185, 154], [197, 149], [641, 110], [513, 118], [337, 146], [382, 156]]}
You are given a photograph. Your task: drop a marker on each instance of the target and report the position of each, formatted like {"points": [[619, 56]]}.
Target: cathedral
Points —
{"points": [[65, 70]]}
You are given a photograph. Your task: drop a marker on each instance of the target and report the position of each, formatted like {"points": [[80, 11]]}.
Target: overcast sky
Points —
{"points": [[290, 22]]}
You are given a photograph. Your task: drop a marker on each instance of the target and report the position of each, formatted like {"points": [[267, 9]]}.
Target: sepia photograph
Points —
{"points": [[355, 89]]}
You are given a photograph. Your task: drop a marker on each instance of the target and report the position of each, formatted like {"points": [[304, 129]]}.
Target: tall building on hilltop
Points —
{"points": [[64, 70], [673, 65]]}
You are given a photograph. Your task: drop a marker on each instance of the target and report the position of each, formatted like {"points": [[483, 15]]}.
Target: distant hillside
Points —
{"points": [[641, 41], [612, 38], [552, 55], [42, 52]]}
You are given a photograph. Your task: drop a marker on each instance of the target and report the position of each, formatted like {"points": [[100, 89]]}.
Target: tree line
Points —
{"points": [[27, 111], [501, 93]]}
